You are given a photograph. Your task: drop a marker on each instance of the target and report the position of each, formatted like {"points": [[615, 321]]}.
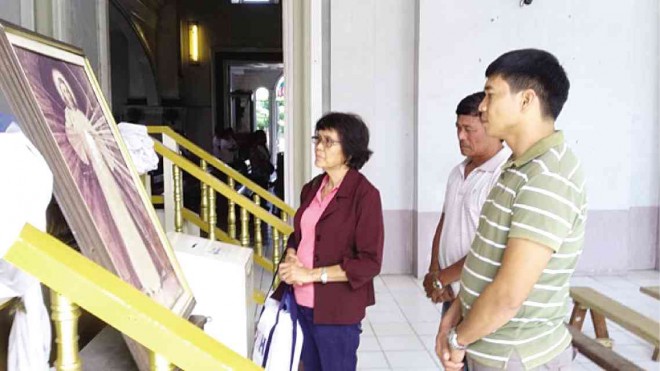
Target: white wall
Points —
{"points": [[372, 74], [610, 52]]}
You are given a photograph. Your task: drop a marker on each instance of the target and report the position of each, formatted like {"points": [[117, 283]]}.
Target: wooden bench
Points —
{"points": [[601, 307], [652, 291], [598, 354]]}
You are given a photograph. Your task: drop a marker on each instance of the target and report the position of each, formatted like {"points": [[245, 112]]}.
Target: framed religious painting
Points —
{"points": [[60, 107]]}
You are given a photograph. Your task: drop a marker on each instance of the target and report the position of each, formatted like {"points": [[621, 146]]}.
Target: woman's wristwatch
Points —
{"points": [[324, 276], [452, 339]]}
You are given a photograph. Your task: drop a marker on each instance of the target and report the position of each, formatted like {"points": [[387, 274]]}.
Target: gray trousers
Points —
{"points": [[561, 362]]}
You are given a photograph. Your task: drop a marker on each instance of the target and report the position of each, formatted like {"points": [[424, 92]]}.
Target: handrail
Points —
{"points": [[221, 166], [190, 216], [222, 188], [119, 304], [196, 220]]}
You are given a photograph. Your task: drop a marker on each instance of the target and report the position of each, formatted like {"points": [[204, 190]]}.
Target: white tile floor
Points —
{"points": [[399, 331]]}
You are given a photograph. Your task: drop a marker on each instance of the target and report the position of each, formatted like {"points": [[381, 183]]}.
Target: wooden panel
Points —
{"points": [[643, 326], [653, 291], [598, 354]]}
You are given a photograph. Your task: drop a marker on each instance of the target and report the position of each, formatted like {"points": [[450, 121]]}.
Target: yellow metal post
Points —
{"points": [[245, 223], [285, 238], [231, 216], [159, 363], [204, 203], [65, 318], [258, 239], [276, 254], [178, 199], [211, 212]]}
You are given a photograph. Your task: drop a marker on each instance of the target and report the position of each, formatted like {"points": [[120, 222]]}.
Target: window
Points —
{"points": [[262, 109]]}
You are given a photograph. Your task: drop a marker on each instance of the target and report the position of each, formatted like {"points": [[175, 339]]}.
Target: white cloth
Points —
{"points": [[464, 198], [24, 196], [140, 146]]}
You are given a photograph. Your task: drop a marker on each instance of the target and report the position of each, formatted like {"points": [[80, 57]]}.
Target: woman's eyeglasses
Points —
{"points": [[326, 141]]}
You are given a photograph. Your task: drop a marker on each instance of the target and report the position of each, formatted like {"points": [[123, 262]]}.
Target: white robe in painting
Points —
{"points": [[90, 146]]}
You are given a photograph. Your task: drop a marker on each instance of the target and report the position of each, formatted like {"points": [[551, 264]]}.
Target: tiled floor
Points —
{"points": [[399, 331]]}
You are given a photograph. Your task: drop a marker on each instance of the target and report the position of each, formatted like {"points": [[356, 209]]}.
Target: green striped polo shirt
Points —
{"points": [[540, 197]]}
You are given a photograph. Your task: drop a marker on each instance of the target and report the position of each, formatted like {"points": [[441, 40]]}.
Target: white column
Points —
{"points": [[61, 20], [103, 30], [27, 14], [315, 27], [168, 185], [273, 123], [302, 41]]}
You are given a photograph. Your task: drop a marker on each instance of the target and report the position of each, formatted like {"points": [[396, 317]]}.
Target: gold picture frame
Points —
{"points": [[60, 107]]}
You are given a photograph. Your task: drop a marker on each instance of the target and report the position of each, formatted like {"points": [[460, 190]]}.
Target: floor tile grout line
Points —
{"points": [[413, 330]]}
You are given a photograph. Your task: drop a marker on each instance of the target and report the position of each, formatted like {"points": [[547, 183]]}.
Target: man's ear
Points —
{"points": [[528, 97]]}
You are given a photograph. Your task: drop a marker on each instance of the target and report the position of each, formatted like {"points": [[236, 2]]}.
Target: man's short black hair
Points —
{"points": [[353, 135], [537, 70], [470, 105]]}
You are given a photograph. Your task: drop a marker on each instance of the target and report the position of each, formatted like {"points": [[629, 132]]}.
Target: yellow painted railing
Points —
{"points": [[170, 338], [222, 188], [210, 185], [221, 166]]}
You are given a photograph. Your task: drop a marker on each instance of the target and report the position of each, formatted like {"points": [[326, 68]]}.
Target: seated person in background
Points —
{"points": [[225, 147], [260, 166]]}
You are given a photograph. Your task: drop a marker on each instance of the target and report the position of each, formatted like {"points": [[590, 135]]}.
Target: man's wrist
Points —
{"points": [[454, 342], [442, 277]]}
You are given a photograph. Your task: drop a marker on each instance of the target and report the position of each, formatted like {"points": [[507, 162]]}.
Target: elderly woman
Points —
{"points": [[337, 246]]}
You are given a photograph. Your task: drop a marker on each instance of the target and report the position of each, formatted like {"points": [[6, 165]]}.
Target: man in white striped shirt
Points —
{"points": [[515, 282], [467, 187]]}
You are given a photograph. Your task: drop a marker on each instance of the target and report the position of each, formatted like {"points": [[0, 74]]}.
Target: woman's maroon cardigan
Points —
{"points": [[349, 233]]}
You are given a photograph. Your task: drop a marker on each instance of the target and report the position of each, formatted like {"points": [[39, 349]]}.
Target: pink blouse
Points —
{"points": [[305, 293]]}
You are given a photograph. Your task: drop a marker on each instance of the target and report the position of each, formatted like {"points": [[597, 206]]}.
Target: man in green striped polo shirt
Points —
{"points": [[514, 293]]}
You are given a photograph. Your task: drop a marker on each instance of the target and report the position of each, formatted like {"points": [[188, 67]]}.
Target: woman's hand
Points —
{"points": [[290, 256], [293, 272]]}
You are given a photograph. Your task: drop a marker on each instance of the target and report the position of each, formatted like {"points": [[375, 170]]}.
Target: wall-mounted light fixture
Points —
{"points": [[193, 42]]}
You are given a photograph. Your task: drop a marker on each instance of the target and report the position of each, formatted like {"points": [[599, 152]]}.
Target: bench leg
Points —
{"points": [[600, 327], [655, 354], [577, 317]]}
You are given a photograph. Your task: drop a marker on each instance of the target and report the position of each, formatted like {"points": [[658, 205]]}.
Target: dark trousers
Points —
{"points": [[328, 347]]}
